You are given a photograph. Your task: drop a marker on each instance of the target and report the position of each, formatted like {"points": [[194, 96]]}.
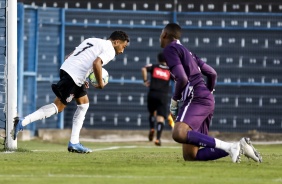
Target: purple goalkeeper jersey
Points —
{"points": [[187, 69], [190, 87]]}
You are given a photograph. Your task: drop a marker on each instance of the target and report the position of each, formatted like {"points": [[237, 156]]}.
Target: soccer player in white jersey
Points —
{"points": [[91, 54]]}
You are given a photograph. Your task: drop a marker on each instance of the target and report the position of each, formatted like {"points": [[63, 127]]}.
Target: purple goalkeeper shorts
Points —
{"points": [[197, 110]]}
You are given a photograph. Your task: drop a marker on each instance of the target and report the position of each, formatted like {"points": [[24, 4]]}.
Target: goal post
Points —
{"points": [[11, 72]]}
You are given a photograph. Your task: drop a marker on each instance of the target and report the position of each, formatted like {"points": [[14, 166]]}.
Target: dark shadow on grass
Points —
{"points": [[15, 150]]}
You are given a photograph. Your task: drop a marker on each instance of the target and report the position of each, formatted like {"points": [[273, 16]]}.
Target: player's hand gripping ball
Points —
{"points": [[105, 77]]}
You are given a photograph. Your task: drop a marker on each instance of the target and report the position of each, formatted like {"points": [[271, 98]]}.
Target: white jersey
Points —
{"points": [[80, 63]]}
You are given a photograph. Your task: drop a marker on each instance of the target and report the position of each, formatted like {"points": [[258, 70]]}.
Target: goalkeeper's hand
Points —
{"points": [[173, 108]]}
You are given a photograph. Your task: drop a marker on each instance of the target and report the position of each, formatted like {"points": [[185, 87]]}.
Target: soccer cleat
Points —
{"points": [[249, 151], [17, 127], [235, 152], [151, 134], [78, 148], [158, 142]]}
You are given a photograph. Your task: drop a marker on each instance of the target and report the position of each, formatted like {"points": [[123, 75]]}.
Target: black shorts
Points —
{"points": [[66, 89], [157, 102]]}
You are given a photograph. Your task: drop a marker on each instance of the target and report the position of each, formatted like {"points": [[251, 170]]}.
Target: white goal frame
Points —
{"points": [[11, 72]]}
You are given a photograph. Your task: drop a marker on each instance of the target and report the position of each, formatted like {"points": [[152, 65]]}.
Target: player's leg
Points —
{"points": [[42, 113], [62, 91], [205, 154], [193, 153], [78, 118], [189, 152], [192, 126], [152, 115], [161, 103], [215, 149], [160, 126], [182, 133], [152, 120], [82, 102], [161, 106]]}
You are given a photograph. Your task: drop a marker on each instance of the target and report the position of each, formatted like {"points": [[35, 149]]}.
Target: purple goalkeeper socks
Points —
{"points": [[206, 154], [199, 139]]}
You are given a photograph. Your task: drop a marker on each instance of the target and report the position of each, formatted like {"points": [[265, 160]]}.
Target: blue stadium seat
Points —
{"points": [[234, 7], [276, 7], [259, 7]]}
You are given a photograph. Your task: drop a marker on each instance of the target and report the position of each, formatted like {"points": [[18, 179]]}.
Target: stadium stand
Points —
{"points": [[166, 5], [240, 39]]}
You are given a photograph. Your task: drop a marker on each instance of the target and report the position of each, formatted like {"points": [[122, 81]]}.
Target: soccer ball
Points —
{"points": [[105, 77]]}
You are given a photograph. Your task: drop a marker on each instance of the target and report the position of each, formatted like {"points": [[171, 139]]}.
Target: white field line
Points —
{"points": [[94, 176], [116, 147]]}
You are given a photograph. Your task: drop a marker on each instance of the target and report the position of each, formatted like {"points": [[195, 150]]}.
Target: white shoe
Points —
{"points": [[235, 152], [249, 150]]}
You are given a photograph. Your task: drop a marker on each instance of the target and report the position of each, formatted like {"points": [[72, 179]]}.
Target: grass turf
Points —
{"points": [[140, 162]]}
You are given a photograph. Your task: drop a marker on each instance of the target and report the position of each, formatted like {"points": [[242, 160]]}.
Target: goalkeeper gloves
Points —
{"points": [[174, 107]]}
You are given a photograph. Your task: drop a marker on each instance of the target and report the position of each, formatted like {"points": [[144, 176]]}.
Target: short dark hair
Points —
{"points": [[119, 35], [173, 31]]}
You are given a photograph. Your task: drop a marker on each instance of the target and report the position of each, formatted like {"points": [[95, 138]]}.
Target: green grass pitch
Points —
{"points": [[39, 162]]}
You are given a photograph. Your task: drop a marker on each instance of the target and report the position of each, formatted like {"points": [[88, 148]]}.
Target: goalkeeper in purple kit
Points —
{"points": [[194, 115]]}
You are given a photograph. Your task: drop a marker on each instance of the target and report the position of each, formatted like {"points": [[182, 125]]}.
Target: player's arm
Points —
{"points": [[209, 72], [173, 61], [97, 69], [144, 72], [211, 75], [181, 81], [172, 58]]}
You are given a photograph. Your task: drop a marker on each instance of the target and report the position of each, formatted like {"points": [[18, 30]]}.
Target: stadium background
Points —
{"points": [[240, 39]]}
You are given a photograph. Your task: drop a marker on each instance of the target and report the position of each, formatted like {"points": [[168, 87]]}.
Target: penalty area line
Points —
{"points": [[113, 148]]}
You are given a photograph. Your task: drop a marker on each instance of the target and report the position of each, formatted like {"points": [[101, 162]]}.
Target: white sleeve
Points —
{"points": [[107, 56]]}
